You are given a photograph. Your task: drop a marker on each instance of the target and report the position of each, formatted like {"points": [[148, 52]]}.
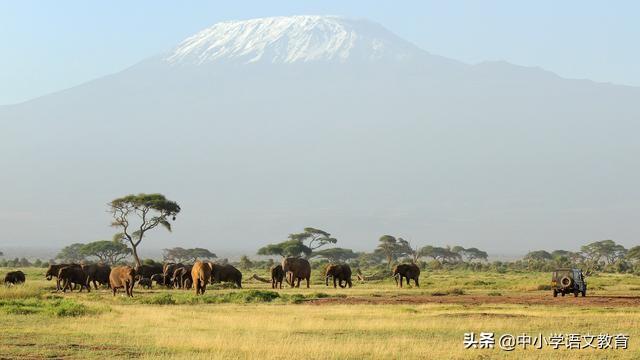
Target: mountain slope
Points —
{"points": [[258, 141]]}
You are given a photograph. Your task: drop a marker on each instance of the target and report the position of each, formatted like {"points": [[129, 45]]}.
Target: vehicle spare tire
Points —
{"points": [[565, 281]]}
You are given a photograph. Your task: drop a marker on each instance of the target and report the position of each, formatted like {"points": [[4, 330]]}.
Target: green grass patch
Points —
{"points": [[52, 307], [160, 299]]}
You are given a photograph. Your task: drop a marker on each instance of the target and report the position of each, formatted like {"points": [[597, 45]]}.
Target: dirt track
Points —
{"points": [[596, 301]]}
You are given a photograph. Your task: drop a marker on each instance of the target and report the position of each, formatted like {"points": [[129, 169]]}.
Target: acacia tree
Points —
{"points": [[71, 253], [388, 246], [108, 252], [315, 237], [336, 254], [178, 254], [137, 214], [442, 254], [607, 249], [633, 254], [538, 255], [285, 249], [471, 253]]}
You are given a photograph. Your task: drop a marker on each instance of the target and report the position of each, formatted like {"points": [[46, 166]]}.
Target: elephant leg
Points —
{"points": [[334, 282], [114, 291], [401, 277], [308, 282], [417, 283]]}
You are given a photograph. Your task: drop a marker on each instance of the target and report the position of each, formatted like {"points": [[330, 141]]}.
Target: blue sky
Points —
{"points": [[48, 46]]}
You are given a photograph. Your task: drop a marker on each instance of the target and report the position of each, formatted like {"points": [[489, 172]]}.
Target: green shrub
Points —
{"points": [[55, 307], [318, 295], [68, 308], [160, 299]]}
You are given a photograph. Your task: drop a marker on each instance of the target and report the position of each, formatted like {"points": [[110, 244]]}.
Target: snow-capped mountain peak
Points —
{"points": [[291, 40]]}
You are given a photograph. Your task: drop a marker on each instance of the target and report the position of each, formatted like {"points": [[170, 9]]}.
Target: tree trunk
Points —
{"points": [[135, 256], [259, 278]]}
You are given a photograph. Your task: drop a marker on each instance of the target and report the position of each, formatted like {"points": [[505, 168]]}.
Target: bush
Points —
{"points": [[319, 295], [295, 298], [161, 299], [55, 307], [544, 287], [454, 291], [68, 308]]}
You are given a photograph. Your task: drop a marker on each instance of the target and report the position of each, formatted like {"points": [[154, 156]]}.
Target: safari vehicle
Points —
{"points": [[567, 281]]}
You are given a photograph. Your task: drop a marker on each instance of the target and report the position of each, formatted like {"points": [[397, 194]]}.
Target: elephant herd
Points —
{"points": [[171, 275], [197, 276], [295, 270]]}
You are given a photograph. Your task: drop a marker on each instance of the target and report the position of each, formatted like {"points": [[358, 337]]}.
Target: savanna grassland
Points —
{"points": [[370, 320]]}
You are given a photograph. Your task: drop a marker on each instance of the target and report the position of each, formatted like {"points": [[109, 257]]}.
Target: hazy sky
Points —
{"points": [[47, 46]]}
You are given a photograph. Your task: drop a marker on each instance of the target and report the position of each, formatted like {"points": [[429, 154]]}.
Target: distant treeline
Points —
{"points": [[601, 256]]}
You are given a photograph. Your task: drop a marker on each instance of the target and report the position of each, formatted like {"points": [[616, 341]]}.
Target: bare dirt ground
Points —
{"points": [[569, 300]]}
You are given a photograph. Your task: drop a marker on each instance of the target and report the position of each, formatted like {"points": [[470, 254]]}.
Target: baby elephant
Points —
{"points": [[277, 275], [14, 277], [146, 283], [339, 273]]}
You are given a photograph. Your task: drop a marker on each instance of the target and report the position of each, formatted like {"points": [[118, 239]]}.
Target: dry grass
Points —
{"points": [[278, 329]]}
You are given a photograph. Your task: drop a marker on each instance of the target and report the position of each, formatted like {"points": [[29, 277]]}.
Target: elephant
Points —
{"points": [[146, 271], [14, 277], [122, 277], [167, 272], [339, 272], [181, 275], [277, 275], [158, 278], [70, 275], [146, 283], [97, 273], [201, 275], [408, 271], [53, 270], [296, 268], [226, 273]]}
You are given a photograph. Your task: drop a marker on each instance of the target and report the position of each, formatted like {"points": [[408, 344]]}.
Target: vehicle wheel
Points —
{"points": [[584, 292], [555, 293]]}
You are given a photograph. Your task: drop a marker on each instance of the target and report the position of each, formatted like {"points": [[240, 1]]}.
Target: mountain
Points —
{"points": [[259, 128], [286, 40]]}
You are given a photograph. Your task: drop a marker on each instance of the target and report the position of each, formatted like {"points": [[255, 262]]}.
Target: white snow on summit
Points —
{"points": [[292, 39]]}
